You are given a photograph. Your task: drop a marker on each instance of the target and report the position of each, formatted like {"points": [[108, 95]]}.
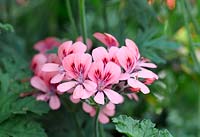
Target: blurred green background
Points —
{"points": [[169, 37]]}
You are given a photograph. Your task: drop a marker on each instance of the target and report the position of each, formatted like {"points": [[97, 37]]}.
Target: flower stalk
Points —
{"points": [[97, 134], [83, 20], [69, 11]]}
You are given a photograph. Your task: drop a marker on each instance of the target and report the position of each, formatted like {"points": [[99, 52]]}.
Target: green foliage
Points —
{"points": [[21, 127], [6, 28], [136, 128]]}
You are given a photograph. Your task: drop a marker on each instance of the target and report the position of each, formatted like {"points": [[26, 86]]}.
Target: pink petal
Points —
{"points": [[49, 67], [114, 72], [87, 94], [78, 92], [147, 65], [113, 96], [87, 108], [126, 59], [137, 84], [99, 98], [90, 85], [66, 86], [75, 101], [109, 109], [79, 47], [100, 54], [42, 97], [69, 65], [89, 42], [63, 49], [54, 102], [145, 73], [96, 71], [82, 63], [133, 48], [57, 78], [124, 76], [39, 84], [103, 118], [110, 106], [106, 39]]}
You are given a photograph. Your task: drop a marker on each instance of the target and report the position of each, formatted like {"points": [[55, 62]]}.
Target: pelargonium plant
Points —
{"points": [[98, 80]]}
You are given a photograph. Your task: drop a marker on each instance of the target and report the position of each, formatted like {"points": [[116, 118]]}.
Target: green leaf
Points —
{"points": [[30, 104], [136, 128], [21, 127]]}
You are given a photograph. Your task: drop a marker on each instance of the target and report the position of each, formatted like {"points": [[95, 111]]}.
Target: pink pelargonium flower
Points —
{"points": [[88, 42], [37, 62], [46, 44], [106, 39], [64, 50], [101, 54], [48, 92], [105, 112], [129, 59], [77, 67], [105, 77]]}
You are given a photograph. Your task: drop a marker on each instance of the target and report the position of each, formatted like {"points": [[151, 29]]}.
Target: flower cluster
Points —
{"points": [[100, 77]]}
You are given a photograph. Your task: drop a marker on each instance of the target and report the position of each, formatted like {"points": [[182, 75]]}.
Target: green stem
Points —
{"points": [[191, 48], [69, 11], [83, 20], [97, 122]]}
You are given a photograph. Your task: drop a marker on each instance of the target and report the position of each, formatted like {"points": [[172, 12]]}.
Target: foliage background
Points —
{"points": [[170, 38]]}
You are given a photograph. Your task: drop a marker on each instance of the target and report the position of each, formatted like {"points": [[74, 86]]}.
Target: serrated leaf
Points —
{"points": [[21, 127], [29, 104], [136, 128]]}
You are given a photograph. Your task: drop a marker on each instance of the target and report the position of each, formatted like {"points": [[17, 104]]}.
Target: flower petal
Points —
{"points": [[126, 59], [42, 97], [147, 65], [75, 101], [90, 85], [100, 54], [87, 108], [63, 49], [113, 96], [66, 86], [54, 102], [57, 78], [137, 84], [103, 118], [82, 63], [133, 48], [78, 92], [49, 67], [112, 73], [39, 84], [99, 98], [96, 71], [106, 39], [79, 47], [69, 66], [144, 73]]}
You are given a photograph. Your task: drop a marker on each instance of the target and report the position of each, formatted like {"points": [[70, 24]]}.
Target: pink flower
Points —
{"points": [[46, 44], [89, 42], [101, 54], [105, 77], [48, 92], [77, 67], [106, 39], [129, 59], [37, 62], [64, 50], [105, 112]]}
